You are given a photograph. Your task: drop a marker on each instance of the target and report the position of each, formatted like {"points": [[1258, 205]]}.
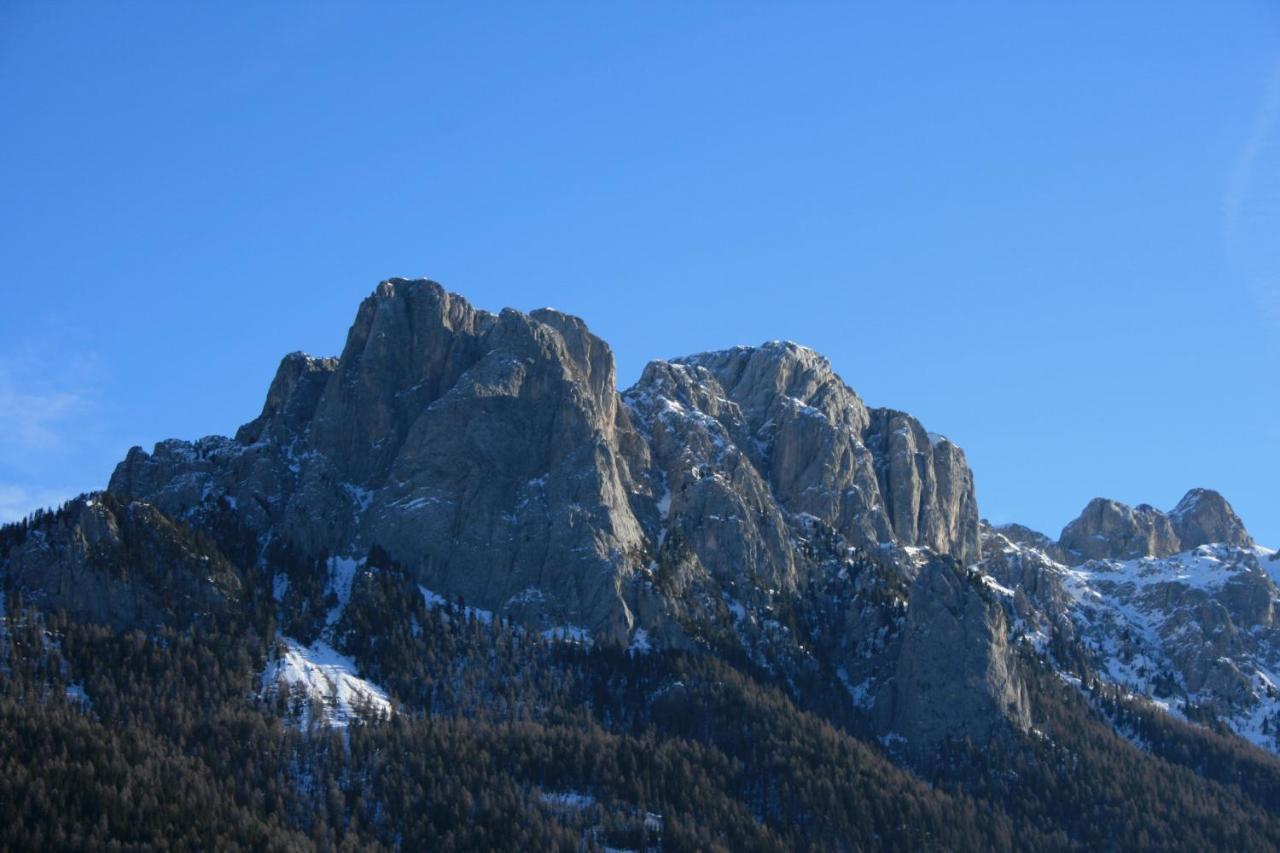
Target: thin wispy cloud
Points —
{"points": [[1240, 181], [35, 420], [1251, 207], [49, 405], [18, 501]]}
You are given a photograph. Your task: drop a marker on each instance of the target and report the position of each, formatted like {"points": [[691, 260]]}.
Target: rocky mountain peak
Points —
{"points": [[782, 374], [874, 475], [1108, 529], [292, 398], [1203, 516], [493, 458]]}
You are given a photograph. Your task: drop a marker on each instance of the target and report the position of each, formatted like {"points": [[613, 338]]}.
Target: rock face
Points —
{"points": [[955, 667], [1108, 529], [1203, 517], [813, 448], [493, 456], [483, 450]]}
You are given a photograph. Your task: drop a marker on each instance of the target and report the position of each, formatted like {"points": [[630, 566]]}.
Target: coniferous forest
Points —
{"points": [[160, 737]]}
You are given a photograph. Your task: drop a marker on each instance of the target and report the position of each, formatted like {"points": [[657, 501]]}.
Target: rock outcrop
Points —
{"points": [[873, 475], [1204, 517], [1108, 529], [482, 450], [956, 676]]}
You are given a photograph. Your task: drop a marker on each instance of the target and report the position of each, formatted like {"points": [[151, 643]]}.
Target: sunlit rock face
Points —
{"points": [[493, 456], [1108, 529]]}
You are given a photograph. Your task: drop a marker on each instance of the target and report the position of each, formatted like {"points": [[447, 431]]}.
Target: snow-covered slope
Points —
{"points": [[323, 683], [1193, 632]]}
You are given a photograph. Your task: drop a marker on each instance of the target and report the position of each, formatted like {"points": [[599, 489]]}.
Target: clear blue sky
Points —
{"points": [[1046, 229]]}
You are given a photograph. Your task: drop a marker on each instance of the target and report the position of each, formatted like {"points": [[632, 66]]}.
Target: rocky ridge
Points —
{"points": [[494, 456], [1108, 529], [745, 499], [1177, 608]]}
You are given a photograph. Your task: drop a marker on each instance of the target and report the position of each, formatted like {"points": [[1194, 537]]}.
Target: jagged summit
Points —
{"points": [[875, 475], [744, 502], [1110, 529], [494, 457]]}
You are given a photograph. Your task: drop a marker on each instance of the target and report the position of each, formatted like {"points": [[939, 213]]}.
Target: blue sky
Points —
{"points": [[1047, 230]]}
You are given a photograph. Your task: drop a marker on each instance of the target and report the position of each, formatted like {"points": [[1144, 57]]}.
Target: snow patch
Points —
{"points": [[279, 586], [435, 599], [664, 503], [568, 634], [76, 695], [640, 644], [326, 676], [342, 574], [568, 799], [360, 496], [860, 693], [992, 583]]}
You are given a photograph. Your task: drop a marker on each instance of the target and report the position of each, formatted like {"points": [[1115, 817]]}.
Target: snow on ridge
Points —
{"points": [[993, 584], [435, 599], [432, 599], [1205, 567], [1120, 613], [321, 673]]}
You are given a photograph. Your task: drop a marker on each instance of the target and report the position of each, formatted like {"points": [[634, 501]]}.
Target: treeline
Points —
{"points": [[505, 741], [1173, 787]]}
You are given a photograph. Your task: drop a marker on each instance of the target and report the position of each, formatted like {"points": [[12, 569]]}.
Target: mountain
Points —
{"points": [[1108, 529], [493, 456], [459, 540], [1179, 608]]}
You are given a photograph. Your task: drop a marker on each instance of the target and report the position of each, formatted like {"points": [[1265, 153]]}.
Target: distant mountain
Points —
{"points": [[461, 522], [1177, 608]]}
